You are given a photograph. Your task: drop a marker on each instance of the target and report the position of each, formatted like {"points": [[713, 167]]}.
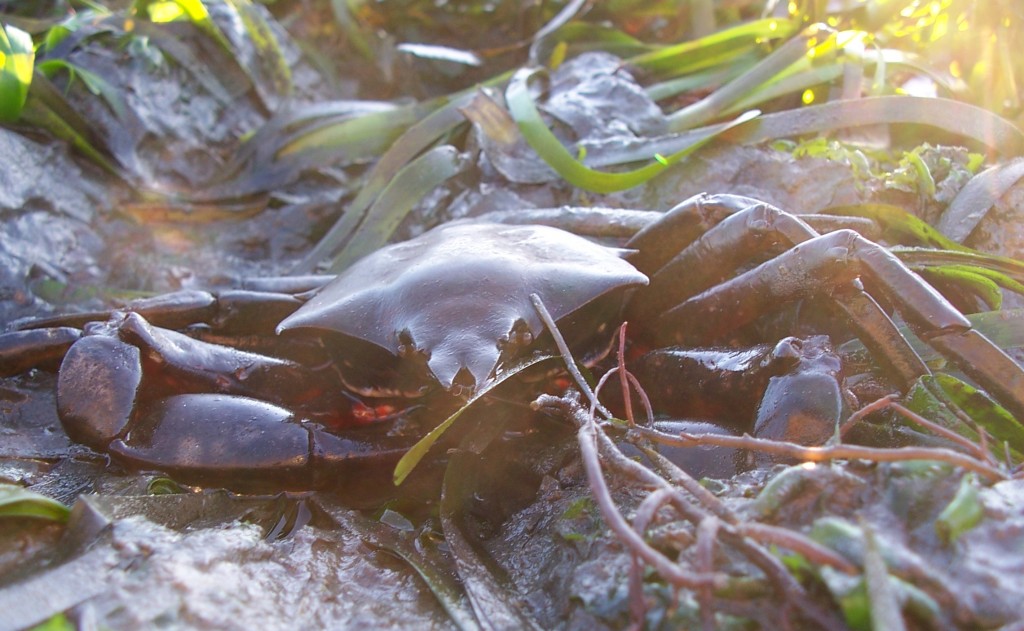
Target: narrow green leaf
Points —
{"points": [[983, 410], [885, 608], [547, 145], [972, 280], [898, 225], [414, 141], [358, 137], [578, 37], [39, 114], [420, 449], [58, 622], [705, 52], [964, 511], [194, 10], [17, 59], [273, 68], [16, 501], [978, 196], [954, 117], [412, 183], [93, 82], [775, 69], [1004, 267]]}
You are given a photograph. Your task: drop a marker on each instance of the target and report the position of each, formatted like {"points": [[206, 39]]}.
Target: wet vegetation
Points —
{"points": [[159, 146]]}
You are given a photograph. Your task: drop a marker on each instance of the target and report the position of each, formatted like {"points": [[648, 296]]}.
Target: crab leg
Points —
{"points": [[36, 348], [236, 311], [712, 257], [835, 260]]}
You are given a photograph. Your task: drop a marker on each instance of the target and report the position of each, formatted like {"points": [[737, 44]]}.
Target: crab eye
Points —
{"points": [[518, 337], [406, 346]]}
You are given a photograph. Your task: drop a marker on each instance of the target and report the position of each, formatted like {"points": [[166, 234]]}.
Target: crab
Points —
{"points": [[435, 319]]}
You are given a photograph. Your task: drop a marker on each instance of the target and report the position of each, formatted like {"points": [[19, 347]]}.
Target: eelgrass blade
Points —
{"points": [[882, 600], [47, 109], [340, 132], [423, 555], [578, 37], [961, 119], [713, 50], [770, 70], [898, 225], [547, 145], [92, 81], [977, 282], [194, 10], [443, 120], [917, 258], [16, 501], [17, 56], [964, 512], [344, 14], [420, 449], [413, 182], [977, 197], [271, 75]]}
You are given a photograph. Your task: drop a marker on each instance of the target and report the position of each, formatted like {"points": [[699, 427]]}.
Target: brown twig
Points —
{"points": [[783, 582], [627, 401], [593, 441], [978, 451], [563, 348], [707, 535], [867, 410], [681, 478], [810, 549], [837, 452], [587, 437]]}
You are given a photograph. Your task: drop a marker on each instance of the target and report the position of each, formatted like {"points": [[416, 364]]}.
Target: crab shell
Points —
{"points": [[457, 292]]}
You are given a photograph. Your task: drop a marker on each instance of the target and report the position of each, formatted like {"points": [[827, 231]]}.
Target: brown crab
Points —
{"points": [[438, 313], [442, 312]]}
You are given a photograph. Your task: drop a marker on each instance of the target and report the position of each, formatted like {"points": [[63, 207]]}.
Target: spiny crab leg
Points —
{"points": [[833, 261]]}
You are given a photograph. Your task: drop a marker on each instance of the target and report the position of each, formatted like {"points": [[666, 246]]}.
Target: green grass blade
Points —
{"points": [[898, 226], [93, 82], [413, 182], [414, 141], [964, 512], [345, 15], [975, 281], [17, 59], [537, 134], [977, 197], [770, 69], [961, 119], [355, 138], [16, 501], [712, 50], [194, 10], [46, 109], [917, 258], [578, 37], [420, 449], [272, 75]]}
